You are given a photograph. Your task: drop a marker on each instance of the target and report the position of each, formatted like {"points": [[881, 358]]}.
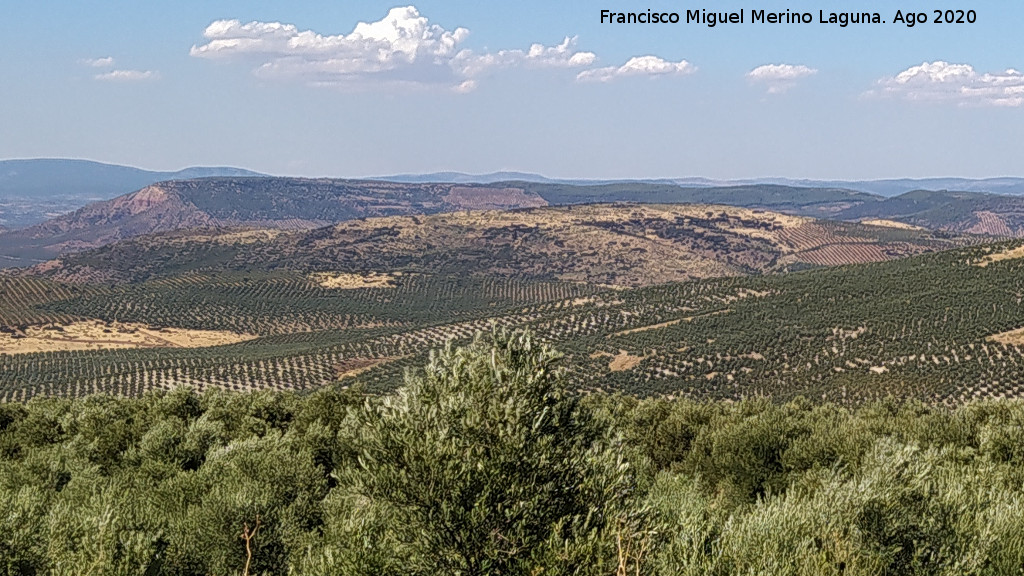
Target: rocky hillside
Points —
{"points": [[297, 203], [614, 244], [283, 203]]}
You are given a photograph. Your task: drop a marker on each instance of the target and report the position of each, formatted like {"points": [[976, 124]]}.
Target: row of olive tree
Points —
{"points": [[485, 463], [480, 464]]}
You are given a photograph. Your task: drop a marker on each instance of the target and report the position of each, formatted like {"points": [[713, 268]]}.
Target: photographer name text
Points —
{"points": [[712, 18]]}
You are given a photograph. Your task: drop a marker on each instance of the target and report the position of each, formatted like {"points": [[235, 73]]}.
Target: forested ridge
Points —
{"points": [[485, 462]]}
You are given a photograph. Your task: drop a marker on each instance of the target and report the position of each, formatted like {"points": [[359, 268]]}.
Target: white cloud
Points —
{"points": [[465, 86], [563, 55], [118, 75], [105, 62], [650, 66], [779, 77], [128, 75], [403, 48], [960, 83]]}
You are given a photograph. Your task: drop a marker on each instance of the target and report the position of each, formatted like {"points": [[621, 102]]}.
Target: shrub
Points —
{"points": [[484, 465]]}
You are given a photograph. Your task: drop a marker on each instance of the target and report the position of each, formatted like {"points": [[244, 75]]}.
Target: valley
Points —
{"points": [[295, 284], [924, 327], [467, 289]]}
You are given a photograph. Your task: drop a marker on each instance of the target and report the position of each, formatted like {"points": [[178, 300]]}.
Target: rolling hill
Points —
{"points": [[287, 203], [609, 244], [813, 202], [306, 203], [33, 190], [296, 203], [958, 212]]}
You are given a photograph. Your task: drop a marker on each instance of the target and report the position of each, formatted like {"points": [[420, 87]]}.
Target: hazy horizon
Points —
{"points": [[526, 172]]}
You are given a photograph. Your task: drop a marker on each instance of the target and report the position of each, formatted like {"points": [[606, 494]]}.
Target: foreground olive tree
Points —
{"points": [[482, 464]]}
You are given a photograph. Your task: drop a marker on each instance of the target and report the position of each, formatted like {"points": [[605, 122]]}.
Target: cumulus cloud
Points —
{"points": [[128, 75], [402, 48], [118, 75], [649, 66], [105, 62], [959, 83], [779, 78], [562, 55]]}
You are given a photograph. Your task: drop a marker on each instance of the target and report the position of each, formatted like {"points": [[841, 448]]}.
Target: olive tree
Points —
{"points": [[484, 464]]}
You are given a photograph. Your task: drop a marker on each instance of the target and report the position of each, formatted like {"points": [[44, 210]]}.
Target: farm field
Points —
{"points": [[95, 335], [933, 327], [336, 482]]}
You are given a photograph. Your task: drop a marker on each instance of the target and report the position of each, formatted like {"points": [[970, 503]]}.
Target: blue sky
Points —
{"points": [[303, 88]]}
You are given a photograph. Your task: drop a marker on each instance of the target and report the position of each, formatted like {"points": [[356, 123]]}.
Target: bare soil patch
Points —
{"points": [[347, 281], [1011, 254], [890, 224], [98, 335], [624, 361], [247, 236], [1012, 337]]}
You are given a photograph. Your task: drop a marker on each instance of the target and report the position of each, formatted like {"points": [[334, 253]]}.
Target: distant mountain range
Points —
{"points": [[33, 190], [47, 177], [888, 187], [891, 187], [302, 203], [140, 202]]}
